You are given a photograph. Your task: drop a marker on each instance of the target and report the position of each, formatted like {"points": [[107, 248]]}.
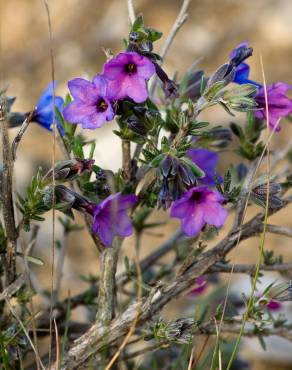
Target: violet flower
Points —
{"points": [[279, 105], [110, 218], [91, 105], [44, 112], [127, 74], [207, 161], [197, 207]]}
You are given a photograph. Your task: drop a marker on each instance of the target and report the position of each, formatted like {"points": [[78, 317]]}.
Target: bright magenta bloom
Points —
{"points": [[197, 207], [127, 74]]}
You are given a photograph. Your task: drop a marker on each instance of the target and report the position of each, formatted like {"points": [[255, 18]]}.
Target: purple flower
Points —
{"points": [[207, 161], [273, 305], [201, 285], [279, 104], [127, 74], [44, 112], [110, 218], [197, 207], [91, 105]]}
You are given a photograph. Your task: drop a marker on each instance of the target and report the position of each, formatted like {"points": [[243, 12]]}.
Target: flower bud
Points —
{"points": [[68, 170], [137, 126], [169, 87], [16, 119], [240, 54], [178, 331], [259, 195], [165, 197], [70, 199]]}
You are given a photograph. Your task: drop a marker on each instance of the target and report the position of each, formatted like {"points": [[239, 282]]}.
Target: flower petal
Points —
{"points": [[123, 226], [101, 84], [180, 208], [214, 214], [193, 224], [83, 90], [76, 111], [105, 232]]}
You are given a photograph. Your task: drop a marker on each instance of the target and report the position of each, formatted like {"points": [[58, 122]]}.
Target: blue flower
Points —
{"points": [[242, 69], [207, 161], [44, 113]]}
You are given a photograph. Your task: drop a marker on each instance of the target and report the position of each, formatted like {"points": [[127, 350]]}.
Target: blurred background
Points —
{"points": [[81, 29]]}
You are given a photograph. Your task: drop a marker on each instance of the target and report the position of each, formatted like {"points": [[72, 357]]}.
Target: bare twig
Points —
{"points": [[232, 328], [7, 199], [251, 268], [131, 11], [180, 20], [20, 134], [9, 291], [280, 230]]}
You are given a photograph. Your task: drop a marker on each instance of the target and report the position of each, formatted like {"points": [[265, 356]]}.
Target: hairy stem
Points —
{"points": [[107, 283], [126, 152]]}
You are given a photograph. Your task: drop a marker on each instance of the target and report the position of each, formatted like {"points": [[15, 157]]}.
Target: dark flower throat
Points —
{"points": [[197, 197], [101, 105], [130, 68]]}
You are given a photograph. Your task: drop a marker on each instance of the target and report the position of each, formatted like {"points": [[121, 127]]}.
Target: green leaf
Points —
{"points": [[197, 171], [211, 93], [138, 24], [227, 181], [153, 35], [246, 90], [156, 161], [78, 147], [203, 86], [262, 342], [92, 149], [35, 260]]}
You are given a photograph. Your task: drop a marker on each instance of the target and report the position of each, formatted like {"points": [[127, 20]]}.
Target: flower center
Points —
{"points": [[131, 68], [101, 105], [197, 197]]}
